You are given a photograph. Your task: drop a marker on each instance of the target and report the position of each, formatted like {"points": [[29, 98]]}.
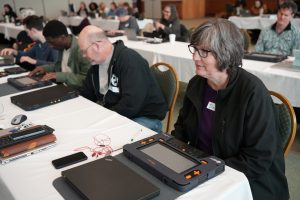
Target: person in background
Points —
{"points": [[259, 8], [25, 12], [241, 8], [103, 10], [120, 79], [169, 23], [126, 21], [283, 36], [112, 11], [93, 7], [244, 135], [128, 8], [9, 15], [70, 67], [41, 53], [82, 11]]}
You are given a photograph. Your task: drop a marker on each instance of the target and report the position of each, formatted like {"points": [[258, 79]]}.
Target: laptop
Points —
{"points": [[27, 153], [7, 61], [108, 178], [131, 35], [44, 97]]}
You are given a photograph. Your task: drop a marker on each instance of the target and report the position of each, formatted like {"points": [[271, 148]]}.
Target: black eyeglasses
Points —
{"points": [[203, 53]]}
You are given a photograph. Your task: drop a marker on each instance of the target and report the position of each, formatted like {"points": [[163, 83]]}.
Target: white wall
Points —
{"points": [[49, 8]]}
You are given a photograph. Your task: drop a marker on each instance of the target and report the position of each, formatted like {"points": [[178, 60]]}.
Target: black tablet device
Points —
{"points": [[27, 83], [264, 57], [14, 70], [174, 162], [44, 97], [6, 61]]}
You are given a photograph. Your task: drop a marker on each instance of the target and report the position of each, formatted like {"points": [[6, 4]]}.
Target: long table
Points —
{"points": [[282, 80], [105, 24], [76, 123]]}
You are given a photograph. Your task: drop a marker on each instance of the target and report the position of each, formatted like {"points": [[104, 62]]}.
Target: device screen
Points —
{"points": [[169, 158], [26, 80], [69, 160]]}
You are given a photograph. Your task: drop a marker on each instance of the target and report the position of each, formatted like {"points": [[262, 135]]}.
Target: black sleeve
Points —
{"points": [[174, 28], [260, 137]]}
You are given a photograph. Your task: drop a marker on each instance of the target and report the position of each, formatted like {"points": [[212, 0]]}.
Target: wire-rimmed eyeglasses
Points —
{"points": [[83, 51], [203, 53]]}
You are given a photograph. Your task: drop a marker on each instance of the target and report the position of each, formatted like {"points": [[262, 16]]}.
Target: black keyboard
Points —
{"points": [[196, 153], [24, 135]]}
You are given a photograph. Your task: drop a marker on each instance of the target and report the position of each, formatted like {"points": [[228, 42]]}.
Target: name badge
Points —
{"points": [[211, 106]]}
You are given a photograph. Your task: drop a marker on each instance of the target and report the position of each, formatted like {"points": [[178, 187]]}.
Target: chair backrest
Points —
{"points": [[168, 81], [287, 121]]}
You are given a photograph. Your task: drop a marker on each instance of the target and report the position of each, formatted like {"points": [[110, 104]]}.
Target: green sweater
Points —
{"points": [[78, 64]]}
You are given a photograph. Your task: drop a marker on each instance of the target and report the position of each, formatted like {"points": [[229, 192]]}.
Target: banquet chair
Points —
{"points": [[167, 79], [287, 121]]}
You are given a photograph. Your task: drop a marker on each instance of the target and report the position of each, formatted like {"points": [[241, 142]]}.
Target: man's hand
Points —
{"points": [[27, 59], [37, 70], [8, 52], [49, 76]]}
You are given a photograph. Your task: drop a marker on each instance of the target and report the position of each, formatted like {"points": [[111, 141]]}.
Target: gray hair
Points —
{"points": [[223, 39]]}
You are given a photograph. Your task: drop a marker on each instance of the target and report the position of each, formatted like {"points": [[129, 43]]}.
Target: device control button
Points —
{"points": [[196, 172], [204, 162], [188, 176], [143, 142]]}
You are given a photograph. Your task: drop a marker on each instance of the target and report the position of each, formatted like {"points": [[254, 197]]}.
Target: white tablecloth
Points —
{"points": [[76, 122], [105, 24], [284, 81], [257, 22], [10, 30]]}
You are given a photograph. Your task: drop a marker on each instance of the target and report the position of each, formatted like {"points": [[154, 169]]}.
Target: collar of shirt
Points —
{"points": [[288, 27]]}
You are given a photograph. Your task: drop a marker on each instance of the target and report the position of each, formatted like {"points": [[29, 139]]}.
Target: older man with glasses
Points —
{"points": [[120, 79]]}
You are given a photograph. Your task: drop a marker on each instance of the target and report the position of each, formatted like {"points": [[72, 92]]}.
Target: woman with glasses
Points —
{"points": [[169, 23], [228, 112]]}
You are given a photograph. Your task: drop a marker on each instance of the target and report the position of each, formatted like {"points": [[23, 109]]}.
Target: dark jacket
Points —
{"points": [[171, 27], [133, 91], [245, 133]]}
